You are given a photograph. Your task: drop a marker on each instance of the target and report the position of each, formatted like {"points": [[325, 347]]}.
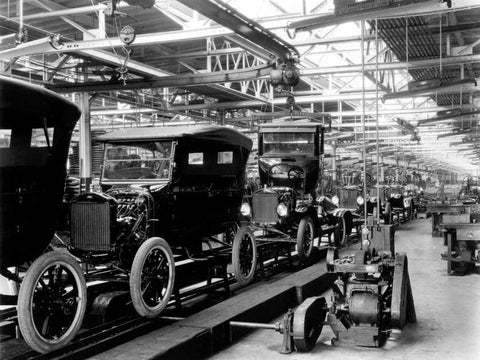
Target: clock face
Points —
{"points": [[127, 34]]}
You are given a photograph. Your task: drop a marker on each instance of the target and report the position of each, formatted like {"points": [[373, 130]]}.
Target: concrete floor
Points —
{"points": [[448, 313]]}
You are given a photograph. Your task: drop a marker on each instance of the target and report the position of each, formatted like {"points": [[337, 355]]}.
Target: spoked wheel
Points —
{"points": [[305, 238], [244, 255], [152, 277], [51, 302], [340, 234]]}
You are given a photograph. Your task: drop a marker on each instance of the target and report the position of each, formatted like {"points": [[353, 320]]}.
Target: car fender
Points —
{"points": [[347, 215]]}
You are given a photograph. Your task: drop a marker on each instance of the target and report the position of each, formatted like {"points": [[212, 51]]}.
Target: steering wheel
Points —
{"points": [[295, 173], [292, 173]]}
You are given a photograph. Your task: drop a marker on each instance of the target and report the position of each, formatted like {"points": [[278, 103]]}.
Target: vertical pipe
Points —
{"points": [[84, 145], [376, 116], [20, 10], [334, 162], [362, 49]]}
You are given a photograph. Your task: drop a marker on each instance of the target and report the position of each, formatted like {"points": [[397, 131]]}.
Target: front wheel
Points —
{"points": [[244, 255], [305, 238], [340, 234], [387, 214], [152, 277], [51, 302]]}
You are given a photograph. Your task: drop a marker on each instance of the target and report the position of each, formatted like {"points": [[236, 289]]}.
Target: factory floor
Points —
{"points": [[447, 307]]}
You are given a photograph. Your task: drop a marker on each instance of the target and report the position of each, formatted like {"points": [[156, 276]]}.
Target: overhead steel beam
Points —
{"points": [[458, 84], [168, 81], [416, 64], [249, 29], [71, 11], [448, 117], [415, 8]]}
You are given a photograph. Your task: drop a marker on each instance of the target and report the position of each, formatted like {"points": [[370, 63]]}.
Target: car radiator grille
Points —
{"points": [[265, 208], [90, 226]]}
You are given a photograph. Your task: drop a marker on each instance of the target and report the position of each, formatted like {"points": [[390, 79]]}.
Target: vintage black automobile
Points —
{"points": [[401, 203], [35, 130], [164, 190], [286, 207]]}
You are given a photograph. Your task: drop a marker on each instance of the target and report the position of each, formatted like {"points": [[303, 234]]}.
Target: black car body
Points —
{"points": [[33, 157], [290, 169], [179, 183]]}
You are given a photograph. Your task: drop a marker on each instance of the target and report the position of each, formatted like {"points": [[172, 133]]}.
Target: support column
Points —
{"points": [[334, 162], [84, 146]]}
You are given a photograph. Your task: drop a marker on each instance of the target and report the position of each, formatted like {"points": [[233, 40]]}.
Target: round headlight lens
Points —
{"points": [[335, 199], [282, 209], [360, 200], [245, 209]]}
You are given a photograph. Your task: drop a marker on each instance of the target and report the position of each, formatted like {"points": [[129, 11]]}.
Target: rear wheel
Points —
{"points": [[244, 255], [305, 238], [152, 277], [51, 302]]}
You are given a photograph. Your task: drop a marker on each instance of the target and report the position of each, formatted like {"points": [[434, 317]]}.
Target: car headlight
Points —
{"points": [[282, 210], [245, 209], [360, 200], [335, 200]]}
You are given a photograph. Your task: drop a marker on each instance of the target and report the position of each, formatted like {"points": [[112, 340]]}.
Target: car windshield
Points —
{"points": [[137, 161], [288, 143]]}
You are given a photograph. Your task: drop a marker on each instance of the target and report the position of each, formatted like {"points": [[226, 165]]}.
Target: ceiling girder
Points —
{"points": [[167, 81], [247, 28]]}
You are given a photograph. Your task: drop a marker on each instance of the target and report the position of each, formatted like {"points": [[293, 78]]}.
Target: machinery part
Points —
{"points": [[305, 238], [332, 255], [300, 329], [51, 302], [364, 308], [308, 323], [152, 277], [244, 255], [402, 307]]}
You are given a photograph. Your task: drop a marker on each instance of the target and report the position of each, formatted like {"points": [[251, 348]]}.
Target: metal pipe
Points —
{"points": [[364, 150], [377, 125], [253, 325]]}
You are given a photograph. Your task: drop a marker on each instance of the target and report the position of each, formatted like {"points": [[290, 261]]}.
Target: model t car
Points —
{"points": [[34, 143], [164, 190], [286, 207]]}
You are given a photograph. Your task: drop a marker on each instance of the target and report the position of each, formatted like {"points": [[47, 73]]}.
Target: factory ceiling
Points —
{"points": [[402, 76]]}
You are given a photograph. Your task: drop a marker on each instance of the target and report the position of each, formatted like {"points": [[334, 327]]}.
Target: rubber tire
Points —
{"points": [[243, 279], [340, 240], [303, 255], [387, 214], [135, 281], [25, 299]]}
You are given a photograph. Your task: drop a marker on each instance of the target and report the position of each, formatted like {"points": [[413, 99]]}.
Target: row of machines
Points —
{"points": [[456, 217]]}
